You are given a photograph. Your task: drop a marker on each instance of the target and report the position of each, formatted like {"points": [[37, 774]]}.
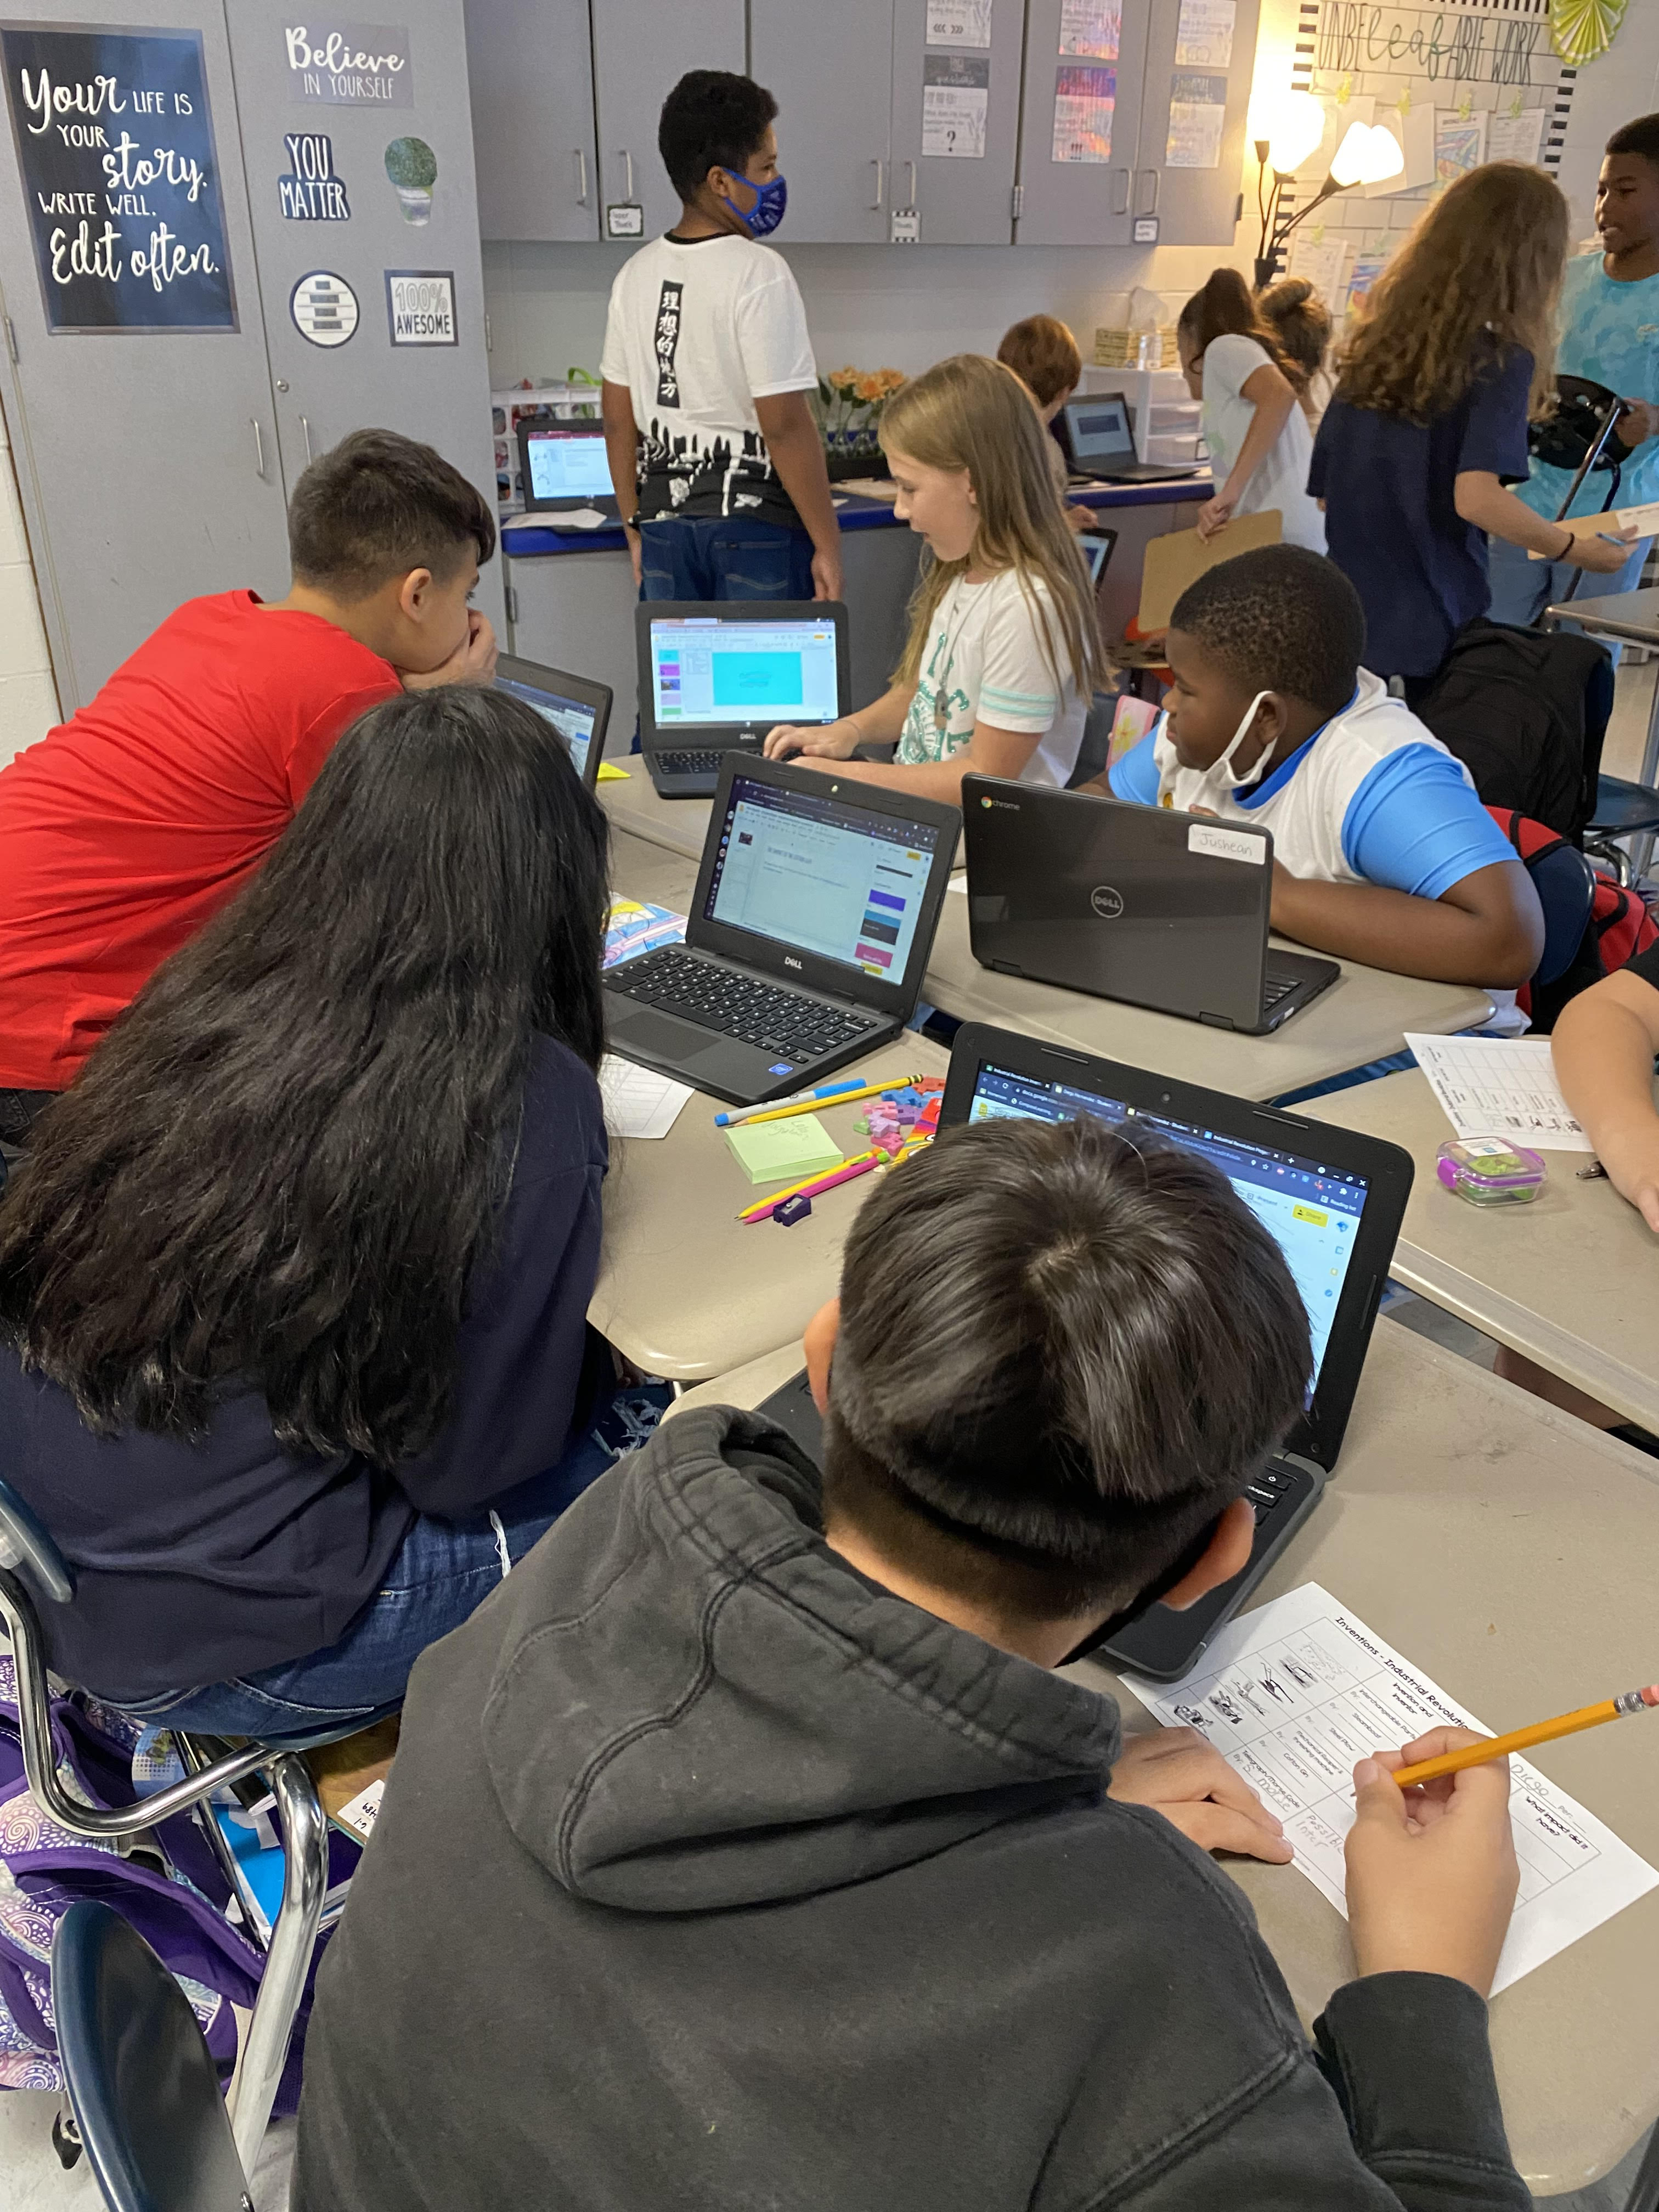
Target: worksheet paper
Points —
{"points": [[1197, 115], [958, 23], [1293, 1694], [1516, 138], [1093, 27], [1204, 35], [638, 1103], [1323, 261], [956, 98], [1460, 144], [1500, 1087]]}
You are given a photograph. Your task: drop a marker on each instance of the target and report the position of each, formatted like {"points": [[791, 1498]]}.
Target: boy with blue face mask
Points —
{"points": [[1382, 851], [716, 460]]}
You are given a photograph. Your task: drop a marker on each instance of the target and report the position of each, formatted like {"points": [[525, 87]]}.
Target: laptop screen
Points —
{"points": [[567, 464], [1099, 430], [1313, 1211], [573, 720], [707, 672], [826, 875]]}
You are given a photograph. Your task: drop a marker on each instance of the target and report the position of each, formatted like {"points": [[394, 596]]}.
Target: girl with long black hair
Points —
{"points": [[293, 1357]]}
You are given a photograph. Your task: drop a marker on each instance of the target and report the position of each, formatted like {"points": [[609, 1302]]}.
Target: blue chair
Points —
{"points": [[1623, 809], [1566, 884], [28, 1557], [141, 2081]]}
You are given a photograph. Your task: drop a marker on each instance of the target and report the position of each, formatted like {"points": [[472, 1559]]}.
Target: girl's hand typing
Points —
{"points": [[822, 740]]}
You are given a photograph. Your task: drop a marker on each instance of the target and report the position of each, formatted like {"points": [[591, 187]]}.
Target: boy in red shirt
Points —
{"points": [[122, 830]]}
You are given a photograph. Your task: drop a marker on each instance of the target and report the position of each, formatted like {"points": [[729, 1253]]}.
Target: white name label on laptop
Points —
{"points": [[1294, 1693], [1226, 844]]}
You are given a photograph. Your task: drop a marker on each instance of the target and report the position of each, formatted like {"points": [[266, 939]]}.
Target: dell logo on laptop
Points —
{"points": [[795, 964], [1107, 902]]}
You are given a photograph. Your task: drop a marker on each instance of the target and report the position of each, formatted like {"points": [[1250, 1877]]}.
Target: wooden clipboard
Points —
{"points": [[1644, 520], [1170, 563]]}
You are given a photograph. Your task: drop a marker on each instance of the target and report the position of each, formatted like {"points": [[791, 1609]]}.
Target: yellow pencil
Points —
{"points": [[824, 1179], [1500, 1747], [839, 1099]]}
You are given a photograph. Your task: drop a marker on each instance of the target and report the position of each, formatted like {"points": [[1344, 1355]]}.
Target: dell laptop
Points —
{"points": [[715, 678], [1332, 1200], [577, 709], [1158, 909], [809, 932], [1103, 447], [563, 465]]}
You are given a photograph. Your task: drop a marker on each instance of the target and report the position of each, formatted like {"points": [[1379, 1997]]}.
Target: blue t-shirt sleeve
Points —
{"points": [[1134, 777], [1415, 825], [1495, 431]]}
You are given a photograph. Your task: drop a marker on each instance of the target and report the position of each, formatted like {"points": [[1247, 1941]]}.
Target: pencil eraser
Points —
{"points": [[791, 1211]]}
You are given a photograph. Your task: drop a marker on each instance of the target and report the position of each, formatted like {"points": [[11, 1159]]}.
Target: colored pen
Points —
{"points": [[1500, 1747], [865, 1161], [796, 1098]]}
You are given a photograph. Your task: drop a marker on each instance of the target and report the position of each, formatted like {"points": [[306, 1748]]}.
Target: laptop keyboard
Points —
{"points": [[703, 761], [1275, 988], [1273, 1488], [776, 1019]]}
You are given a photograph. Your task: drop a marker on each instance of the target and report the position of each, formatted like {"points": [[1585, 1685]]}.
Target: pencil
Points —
{"points": [[814, 1184], [1500, 1747], [825, 1092], [839, 1099]]}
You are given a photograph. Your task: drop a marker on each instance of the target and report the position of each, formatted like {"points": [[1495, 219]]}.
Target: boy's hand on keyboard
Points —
{"points": [[1176, 1773], [821, 741]]}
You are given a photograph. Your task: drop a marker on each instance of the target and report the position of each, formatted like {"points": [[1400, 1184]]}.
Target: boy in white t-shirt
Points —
{"points": [[716, 460], [1382, 851]]}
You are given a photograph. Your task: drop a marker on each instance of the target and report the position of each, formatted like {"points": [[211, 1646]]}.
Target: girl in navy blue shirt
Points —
{"points": [[1452, 357]]}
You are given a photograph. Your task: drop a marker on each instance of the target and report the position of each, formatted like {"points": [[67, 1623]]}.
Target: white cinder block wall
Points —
{"points": [[28, 698]]}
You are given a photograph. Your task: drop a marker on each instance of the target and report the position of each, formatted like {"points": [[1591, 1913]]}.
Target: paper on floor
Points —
{"points": [[1500, 1087], [1293, 1694], [639, 1103]]}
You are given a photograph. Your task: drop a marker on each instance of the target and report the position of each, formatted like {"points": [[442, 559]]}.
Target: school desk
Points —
{"points": [[1571, 1280], [1508, 1550], [1362, 1016], [1631, 617]]}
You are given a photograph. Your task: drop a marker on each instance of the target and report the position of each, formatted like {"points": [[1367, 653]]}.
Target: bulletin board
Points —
{"points": [[1457, 82]]}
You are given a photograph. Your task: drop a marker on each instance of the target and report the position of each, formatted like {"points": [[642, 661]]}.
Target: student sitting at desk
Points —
{"points": [[1004, 642], [745, 1850], [294, 1355], [1044, 356], [123, 831], [1382, 852]]}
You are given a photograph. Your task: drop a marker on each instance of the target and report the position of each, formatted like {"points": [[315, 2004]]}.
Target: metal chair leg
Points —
{"points": [[293, 1939]]}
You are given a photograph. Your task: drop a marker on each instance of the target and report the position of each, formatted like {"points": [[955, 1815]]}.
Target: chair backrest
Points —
{"points": [[25, 1542], [145, 2089]]}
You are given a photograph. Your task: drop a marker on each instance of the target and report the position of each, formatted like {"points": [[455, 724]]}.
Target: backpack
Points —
{"points": [[1525, 711], [1619, 925]]}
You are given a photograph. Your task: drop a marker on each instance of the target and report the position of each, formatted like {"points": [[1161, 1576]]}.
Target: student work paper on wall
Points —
{"points": [[1198, 116], [1322, 261], [1204, 35], [955, 95], [1293, 1694], [1094, 27], [1083, 100], [1460, 144], [958, 23], [1516, 138]]}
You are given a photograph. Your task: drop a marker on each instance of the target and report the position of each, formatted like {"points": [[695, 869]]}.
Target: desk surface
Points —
{"points": [[1363, 1016], [1571, 1280], [1529, 1539], [1634, 615], [678, 825]]}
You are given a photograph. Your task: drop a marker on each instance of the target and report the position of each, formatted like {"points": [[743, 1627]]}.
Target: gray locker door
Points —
{"points": [[1194, 206], [437, 392], [831, 71], [1074, 201], [531, 64], [961, 200], [642, 48], [147, 461]]}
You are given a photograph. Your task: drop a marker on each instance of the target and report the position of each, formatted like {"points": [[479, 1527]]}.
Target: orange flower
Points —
{"points": [[869, 389]]}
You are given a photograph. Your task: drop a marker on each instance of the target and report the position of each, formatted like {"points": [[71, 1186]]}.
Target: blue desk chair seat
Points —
{"points": [[1623, 809]]}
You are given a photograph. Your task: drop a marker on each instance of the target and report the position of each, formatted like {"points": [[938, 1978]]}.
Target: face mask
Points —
{"points": [[1218, 779], [770, 201]]}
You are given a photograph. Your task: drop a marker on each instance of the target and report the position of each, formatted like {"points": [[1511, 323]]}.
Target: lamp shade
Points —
{"points": [[1369, 155], [1290, 124]]}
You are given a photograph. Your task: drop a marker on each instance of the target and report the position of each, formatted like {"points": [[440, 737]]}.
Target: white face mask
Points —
{"points": [[1218, 779]]}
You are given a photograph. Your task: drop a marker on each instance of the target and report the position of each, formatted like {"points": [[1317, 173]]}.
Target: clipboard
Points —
{"points": [[1171, 562], [1644, 520]]}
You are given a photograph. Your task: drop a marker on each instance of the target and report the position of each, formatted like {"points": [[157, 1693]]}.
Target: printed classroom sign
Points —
{"points": [[115, 143], [311, 192], [325, 308], [420, 305], [349, 64]]}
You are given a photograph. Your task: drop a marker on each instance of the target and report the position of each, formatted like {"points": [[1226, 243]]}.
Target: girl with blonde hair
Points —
{"points": [[1004, 647], [1452, 356]]}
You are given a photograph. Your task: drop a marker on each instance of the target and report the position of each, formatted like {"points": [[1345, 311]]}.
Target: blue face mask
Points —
{"points": [[770, 201]]}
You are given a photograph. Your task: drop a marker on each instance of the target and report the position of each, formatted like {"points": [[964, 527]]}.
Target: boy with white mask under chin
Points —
{"points": [[1382, 851]]}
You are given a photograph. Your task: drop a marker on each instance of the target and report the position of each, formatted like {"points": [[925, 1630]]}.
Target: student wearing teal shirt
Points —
{"points": [[1609, 331]]}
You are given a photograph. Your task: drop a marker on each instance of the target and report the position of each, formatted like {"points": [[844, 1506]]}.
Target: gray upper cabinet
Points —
{"points": [[954, 152], [642, 48], [830, 71], [1192, 130], [531, 66], [1080, 130]]}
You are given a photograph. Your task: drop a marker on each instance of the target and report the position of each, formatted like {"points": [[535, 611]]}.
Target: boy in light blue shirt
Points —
{"points": [[1609, 332]]}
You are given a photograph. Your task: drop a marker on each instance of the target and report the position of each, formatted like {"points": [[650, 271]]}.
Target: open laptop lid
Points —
{"points": [[563, 465], [822, 880], [717, 674], [1333, 1200], [577, 709], [1097, 432]]}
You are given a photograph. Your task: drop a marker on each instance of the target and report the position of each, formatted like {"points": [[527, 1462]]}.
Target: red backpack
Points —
{"points": [[1582, 943]]}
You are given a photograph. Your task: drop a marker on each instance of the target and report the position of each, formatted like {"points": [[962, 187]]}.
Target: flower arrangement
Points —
{"points": [[850, 401]]}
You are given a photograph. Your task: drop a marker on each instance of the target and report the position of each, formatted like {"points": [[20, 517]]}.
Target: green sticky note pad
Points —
{"points": [[784, 1151]]}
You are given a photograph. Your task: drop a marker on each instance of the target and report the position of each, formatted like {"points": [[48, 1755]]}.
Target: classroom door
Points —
{"points": [[642, 48], [1193, 107], [139, 397], [531, 66], [365, 217], [956, 118], [1080, 123], [830, 69]]}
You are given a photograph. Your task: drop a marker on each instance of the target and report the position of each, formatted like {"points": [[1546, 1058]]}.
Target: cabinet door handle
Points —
{"points": [[880, 195], [627, 160], [259, 448], [1122, 206], [910, 171], [581, 177], [305, 432], [1150, 207]]}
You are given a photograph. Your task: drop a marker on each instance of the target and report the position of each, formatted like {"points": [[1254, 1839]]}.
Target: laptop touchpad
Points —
{"points": [[669, 1039]]}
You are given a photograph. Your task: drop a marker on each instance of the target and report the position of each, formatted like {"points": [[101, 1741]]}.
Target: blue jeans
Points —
{"points": [[1522, 589], [724, 557], [442, 1572]]}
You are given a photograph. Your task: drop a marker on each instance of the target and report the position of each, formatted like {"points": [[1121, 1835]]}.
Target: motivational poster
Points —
{"points": [[420, 305], [349, 64], [311, 192]]}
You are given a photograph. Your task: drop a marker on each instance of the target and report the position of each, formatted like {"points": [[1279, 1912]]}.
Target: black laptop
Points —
{"points": [[1101, 445], [715, 678], [563, 465], [817, 901], [1334, 1201], [577, 710], [1159, 909]]}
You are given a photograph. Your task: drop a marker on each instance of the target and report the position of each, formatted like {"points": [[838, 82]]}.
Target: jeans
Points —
{"points": [[1523, 588], [724, 557], [443, 1571]]}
